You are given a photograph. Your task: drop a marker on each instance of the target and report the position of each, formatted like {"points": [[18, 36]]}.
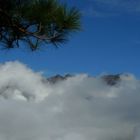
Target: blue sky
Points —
{"points": [[108, 43]]}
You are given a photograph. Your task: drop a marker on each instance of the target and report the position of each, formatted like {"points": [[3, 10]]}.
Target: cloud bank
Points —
{"points": [[79, 108]]}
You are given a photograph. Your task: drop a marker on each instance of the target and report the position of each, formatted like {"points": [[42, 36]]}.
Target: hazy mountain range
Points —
{"points": [[109, 79]]}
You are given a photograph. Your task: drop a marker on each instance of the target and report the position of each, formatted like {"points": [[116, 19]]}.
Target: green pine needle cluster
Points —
{"points": [[36, 22]]}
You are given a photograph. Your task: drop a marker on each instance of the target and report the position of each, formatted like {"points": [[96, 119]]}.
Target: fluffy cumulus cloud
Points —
{"points": [[78, 108]]}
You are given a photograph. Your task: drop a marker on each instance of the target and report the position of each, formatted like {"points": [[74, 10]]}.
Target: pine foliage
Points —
{"points": [[36, 22]]}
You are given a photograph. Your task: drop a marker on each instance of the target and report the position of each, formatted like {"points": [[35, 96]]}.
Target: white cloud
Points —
{"points": [[80, 108], [21, 81]]}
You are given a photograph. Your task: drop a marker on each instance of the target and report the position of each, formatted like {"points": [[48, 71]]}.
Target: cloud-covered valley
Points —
{"points": [[77, 108]]}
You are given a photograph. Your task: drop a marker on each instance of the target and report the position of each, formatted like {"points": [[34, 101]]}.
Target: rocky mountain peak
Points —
{"points": [[58, 77], [109, 79], [112, 79]]}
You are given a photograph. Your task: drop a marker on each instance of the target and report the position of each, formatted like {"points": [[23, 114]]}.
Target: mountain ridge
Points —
{"points": [[110, 79]]}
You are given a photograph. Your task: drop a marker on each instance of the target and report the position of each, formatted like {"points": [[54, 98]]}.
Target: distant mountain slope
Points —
{"points": [[57, 78], [112, 79], [109, 79]]}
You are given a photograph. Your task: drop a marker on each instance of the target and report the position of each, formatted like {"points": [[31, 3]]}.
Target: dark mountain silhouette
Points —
{"points": [[112, 79], [109, 79], [57, 78]]}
